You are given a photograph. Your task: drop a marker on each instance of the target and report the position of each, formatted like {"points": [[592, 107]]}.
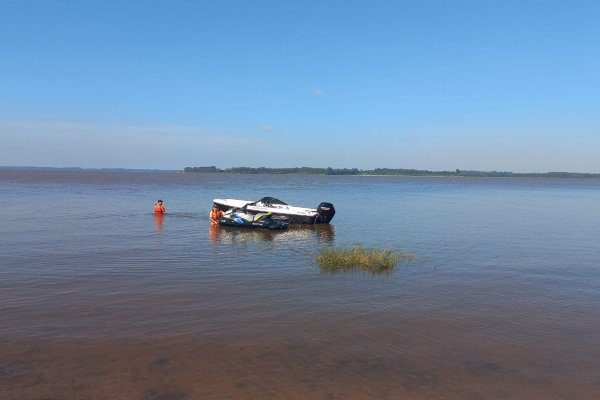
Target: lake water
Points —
{"points": [[100, 299]]}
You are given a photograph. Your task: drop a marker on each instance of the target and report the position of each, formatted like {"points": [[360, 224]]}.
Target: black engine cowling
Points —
{"points": [[326, 212]]}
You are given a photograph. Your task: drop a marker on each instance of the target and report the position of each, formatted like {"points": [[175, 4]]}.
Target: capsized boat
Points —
{"points": [[238, 218], [323, 214]]}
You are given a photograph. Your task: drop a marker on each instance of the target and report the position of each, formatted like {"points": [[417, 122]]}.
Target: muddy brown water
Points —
{"points": [[101, 300]]}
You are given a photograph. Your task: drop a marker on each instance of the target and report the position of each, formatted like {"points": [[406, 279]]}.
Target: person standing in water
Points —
{"points": [[215, 214], [159, 208]]}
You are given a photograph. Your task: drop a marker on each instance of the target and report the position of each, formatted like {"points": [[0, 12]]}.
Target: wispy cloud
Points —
{"points": [[318, 91], [265, 127]]}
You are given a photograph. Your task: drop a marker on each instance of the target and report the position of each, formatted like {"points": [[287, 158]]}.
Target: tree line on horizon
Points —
{"points": [[384, 171]]}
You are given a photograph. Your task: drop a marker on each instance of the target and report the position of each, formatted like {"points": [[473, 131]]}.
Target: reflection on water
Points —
{"points": [[213, 233], [159, 220], [323, 233]]}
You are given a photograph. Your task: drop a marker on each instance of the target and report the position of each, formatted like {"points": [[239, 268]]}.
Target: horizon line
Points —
{"points": [[116, 169]]}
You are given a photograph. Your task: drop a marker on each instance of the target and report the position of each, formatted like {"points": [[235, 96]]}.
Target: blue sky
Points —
{"points": [[485, 85]]}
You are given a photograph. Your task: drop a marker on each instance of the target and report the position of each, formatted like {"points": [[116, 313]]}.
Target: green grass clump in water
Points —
{"points": [[358, 258]]}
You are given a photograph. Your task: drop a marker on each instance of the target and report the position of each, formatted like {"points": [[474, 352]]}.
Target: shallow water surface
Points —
{"points": [[100, 299]]}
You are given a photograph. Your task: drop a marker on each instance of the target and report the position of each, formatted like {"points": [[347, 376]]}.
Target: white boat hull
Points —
{"points": [[292, 214]]}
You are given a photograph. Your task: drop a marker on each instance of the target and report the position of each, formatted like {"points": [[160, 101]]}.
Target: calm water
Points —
{"points": [[100, 299]]}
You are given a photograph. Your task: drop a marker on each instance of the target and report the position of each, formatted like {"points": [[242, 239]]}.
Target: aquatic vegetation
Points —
{"points": [[358, 258]]}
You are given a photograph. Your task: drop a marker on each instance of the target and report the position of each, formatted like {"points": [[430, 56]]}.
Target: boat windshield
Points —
{"points": [[270, 201]]}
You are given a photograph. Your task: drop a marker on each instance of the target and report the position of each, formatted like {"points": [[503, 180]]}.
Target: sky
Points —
{"points": [[439, 85]]}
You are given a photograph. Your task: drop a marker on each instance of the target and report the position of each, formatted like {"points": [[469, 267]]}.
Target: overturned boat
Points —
{"points": [[242, 219], [280, 210]]}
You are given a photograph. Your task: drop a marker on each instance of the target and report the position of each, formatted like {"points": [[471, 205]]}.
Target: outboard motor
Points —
{"points": [[326, 213]]}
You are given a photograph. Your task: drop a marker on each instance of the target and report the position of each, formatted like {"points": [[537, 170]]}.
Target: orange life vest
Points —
{"points": [[215, 214], [159, 209]]}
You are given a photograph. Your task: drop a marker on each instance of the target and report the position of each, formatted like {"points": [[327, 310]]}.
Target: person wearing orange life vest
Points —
{"points": [[215, 214], [159, 208]]}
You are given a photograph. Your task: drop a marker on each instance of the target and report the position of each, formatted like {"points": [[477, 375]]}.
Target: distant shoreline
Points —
{"points": [[389, 172], [328, 171]]}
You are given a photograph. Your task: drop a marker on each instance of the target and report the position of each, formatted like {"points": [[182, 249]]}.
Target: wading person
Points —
{"points": [[215, 214], [159, 208]]}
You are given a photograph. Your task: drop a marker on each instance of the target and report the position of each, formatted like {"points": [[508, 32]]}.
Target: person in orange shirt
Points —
{"points": [[215, 214], [159, 208]]}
